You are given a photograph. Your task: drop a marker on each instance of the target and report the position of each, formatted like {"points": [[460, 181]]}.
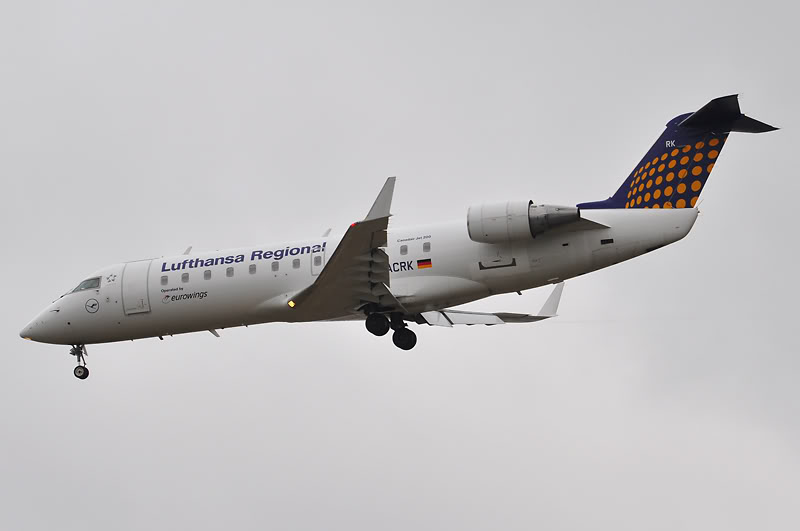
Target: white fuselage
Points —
{"points": [[205, 291]]}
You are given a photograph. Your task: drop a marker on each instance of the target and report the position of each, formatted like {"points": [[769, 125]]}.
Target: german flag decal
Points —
{"points": [[424, 264]]}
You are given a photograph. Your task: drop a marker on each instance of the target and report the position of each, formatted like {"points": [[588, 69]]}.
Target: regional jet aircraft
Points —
{"points": [[389, 277]]}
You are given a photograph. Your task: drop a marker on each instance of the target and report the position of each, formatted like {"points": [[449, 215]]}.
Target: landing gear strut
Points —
{"points": [[81, 371]]}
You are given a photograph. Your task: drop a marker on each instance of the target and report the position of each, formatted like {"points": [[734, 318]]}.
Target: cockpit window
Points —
{"points": [[91, 283]]}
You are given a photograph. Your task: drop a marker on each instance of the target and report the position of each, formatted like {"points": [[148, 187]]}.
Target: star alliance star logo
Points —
{"points": [[111, 278]]}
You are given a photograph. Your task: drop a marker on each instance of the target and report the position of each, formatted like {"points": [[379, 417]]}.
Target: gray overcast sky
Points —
{"points": [[664, 397]]}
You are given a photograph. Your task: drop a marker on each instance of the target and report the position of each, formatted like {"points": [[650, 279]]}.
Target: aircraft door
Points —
{"points": [[317, 262], [135, 298]]}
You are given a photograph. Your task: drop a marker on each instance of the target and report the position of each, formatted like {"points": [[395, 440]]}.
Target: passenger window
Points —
{"points": [[426, 247], [252, 269], [296, 263], [276, 266], [92, 283], [164, 280], [317, 260], [207, 274], [185, 277], [229, 272], [404, 249], [607, 241]]}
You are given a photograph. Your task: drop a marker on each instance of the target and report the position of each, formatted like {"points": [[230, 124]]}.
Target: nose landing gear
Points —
{"points": [[81, 371]]}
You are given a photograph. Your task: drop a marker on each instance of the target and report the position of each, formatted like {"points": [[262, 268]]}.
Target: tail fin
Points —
{"points": [[675, 170]]}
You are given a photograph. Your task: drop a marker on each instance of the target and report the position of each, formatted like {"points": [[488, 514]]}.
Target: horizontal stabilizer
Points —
{"points": [[449, 318], [723, 115]]}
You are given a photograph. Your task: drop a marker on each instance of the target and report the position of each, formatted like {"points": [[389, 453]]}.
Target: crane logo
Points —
{"points": [[92, 306]]}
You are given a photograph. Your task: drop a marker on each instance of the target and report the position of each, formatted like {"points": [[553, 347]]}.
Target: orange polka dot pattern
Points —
{"points": [[648, 186]]}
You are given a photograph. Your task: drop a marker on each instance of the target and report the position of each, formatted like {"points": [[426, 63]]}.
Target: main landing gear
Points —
{"points": [[81, 371], [378, 324], [403, 337]]}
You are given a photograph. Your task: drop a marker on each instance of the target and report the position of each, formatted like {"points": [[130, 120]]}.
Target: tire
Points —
{"points": [[404, 339], [377, 324], [81, 372]]}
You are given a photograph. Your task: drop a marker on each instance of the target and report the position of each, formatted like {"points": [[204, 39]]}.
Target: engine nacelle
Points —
{"points": [[545, 217], [515, 220]]}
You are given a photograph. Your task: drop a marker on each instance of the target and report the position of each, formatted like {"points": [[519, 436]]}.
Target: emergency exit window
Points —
{"points": [[317, 260]]}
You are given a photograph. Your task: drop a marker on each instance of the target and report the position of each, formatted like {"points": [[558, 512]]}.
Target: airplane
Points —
{"points": [[390, 277]]}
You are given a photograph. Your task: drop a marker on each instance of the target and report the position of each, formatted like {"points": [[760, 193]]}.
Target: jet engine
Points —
{"points": [[515, 220]]}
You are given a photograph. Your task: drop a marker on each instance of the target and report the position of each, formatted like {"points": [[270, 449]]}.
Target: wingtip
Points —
{"points": [[381, 206], [550, 307]]}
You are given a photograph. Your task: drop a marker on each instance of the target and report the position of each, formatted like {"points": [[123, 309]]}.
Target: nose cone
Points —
{"points": [[41, 329], [30, 331]]}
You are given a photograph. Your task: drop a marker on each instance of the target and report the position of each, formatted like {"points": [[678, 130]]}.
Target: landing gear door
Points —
{"points": [[135, 298], [317, 261]]}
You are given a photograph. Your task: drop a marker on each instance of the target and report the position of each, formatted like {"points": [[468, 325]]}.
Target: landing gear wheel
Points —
{"points": [[404, 338], [81, 371], [377, 324]]}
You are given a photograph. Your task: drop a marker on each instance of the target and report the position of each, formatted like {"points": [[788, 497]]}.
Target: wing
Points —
{"points": [[357, 274], [455, 317]]}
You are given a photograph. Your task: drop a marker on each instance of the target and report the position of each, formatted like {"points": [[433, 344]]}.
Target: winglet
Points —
{"points": [[551, 305], [380, 209]]}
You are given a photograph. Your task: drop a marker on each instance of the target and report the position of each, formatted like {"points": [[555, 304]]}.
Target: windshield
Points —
{"points": [[92, 283]]}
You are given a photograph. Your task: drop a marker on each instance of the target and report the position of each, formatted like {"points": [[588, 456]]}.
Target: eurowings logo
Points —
{"points": [[184, 296]]}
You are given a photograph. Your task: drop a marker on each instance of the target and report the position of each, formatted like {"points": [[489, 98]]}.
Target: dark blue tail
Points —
{"points": [[675, 170]]}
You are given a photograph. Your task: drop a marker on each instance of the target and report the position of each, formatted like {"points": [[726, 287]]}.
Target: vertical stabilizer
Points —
{"points": [[675, 170]]}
